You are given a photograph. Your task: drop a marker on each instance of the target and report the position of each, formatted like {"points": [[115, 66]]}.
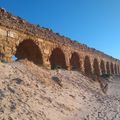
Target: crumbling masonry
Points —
{"points": [[43, 47]]}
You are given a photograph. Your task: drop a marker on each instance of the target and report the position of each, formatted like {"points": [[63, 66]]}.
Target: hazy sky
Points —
{"points": [[93, 22]]}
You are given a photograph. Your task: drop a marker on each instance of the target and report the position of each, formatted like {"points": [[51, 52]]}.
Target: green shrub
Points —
{"points": [[105, 75]]}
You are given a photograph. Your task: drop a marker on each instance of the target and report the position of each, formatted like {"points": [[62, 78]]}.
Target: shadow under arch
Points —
{"points": [[112, 68], [102, 67], [75, 62], [108, 68], [118, 69], [87, 66], [57, 59], [115, 69], [28, 49], [96, 69]]}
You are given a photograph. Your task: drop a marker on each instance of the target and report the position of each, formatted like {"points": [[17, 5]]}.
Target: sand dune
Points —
{"points": [[29, 92]]}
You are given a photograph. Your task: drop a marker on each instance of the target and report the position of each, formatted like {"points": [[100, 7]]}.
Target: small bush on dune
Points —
{"points": [[57, 67], [105, 76], [2, 58]]}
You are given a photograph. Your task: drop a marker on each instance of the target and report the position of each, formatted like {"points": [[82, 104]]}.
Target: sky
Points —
{"points": [[92, 22]]}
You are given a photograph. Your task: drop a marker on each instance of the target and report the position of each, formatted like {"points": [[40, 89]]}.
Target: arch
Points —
{"points": [[102, 67], [112, 68], [118, 70], [96, 67], [115, 69], [75, 62], [87, 66], [57, 58], [108, 68], [28, 49]]}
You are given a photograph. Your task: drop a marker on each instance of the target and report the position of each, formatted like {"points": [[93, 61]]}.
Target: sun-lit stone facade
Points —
{"points": [[44, 47]]}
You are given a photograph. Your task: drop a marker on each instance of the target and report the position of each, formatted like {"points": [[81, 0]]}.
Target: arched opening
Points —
{"points": [[57, 59], [14, 58], [118, 70], [96, 67], [102, 66], [87, 66], [115, 69], [29, 50], [112, 69], [108, 68], [75, 62]]}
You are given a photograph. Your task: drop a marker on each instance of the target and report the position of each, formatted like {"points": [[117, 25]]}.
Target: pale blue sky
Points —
{"points": [[93, 22]]}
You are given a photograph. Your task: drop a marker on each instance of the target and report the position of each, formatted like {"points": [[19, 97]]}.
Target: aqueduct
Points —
{"points": [[44, 47]]}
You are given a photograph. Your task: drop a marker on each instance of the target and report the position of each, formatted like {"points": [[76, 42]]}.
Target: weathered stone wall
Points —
{"points": [[40, 45]]}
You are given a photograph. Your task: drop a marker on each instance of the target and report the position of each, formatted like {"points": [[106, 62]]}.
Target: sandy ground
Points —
{"points": [[29, 92]]}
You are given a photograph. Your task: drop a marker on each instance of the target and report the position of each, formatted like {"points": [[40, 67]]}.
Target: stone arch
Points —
{"points": [[28, 49], [118, 70], [75, 62], [87, 66], [102, 67], [57, 59], [112, 68], [115, 69], [96, 69], [108, 68]]}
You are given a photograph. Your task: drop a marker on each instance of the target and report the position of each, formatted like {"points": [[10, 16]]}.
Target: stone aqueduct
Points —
{"points": [[44, 47]]}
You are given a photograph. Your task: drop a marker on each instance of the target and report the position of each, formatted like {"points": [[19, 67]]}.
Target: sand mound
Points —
{"points": [[29, 92]]}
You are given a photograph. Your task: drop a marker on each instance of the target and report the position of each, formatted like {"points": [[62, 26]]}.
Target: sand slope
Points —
{"points": [[29, 92]]}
